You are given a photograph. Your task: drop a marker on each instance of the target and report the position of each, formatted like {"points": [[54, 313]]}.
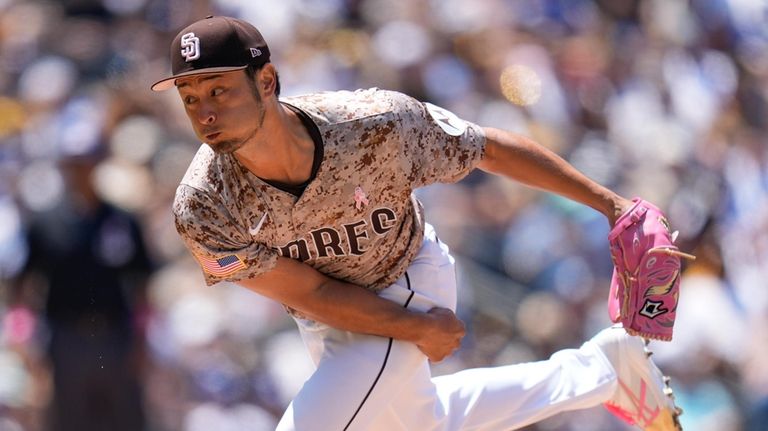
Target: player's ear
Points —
{"points": [[267, 79]]}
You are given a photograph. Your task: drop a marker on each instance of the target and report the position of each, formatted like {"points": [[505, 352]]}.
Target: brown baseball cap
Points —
{"points": [[214, 44]]}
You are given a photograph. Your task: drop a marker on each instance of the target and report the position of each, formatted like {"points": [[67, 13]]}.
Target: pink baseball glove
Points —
{"points": [[646, 274]]}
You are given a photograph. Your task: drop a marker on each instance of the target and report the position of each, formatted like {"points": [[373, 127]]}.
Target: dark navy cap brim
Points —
{"points": [[166, 83]]}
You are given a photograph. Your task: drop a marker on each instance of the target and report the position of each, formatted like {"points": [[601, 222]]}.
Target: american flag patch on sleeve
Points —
{"points": [[221, 267]]}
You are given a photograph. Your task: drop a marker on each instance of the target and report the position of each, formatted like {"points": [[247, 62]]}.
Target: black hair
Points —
{"points": [[251, 71]]}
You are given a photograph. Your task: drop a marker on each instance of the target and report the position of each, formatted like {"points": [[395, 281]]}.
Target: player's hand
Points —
{"points": [[443, 334], [620, 206]]}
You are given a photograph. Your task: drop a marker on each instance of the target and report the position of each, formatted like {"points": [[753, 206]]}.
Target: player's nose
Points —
{"points": [[206, 116]]}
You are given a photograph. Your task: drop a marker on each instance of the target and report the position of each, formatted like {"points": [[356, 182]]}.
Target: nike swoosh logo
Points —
{"points": [[255, 229]]}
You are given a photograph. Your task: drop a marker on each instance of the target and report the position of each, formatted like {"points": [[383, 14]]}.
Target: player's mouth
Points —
{"points": [[212, 136]]}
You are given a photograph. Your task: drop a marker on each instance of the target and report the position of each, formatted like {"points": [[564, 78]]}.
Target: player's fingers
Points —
{"points": [[441, 311], [437, 358], [440, 356], [438, 353], [450, 322]]}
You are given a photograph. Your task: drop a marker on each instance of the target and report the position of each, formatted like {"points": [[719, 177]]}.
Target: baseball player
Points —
{"points": [[308, 200]]}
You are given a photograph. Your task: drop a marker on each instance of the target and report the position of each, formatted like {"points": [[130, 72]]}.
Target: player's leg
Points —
{"points": [[506, 397], [612, 368], [513, 396], [358, 376], [373, 383]]}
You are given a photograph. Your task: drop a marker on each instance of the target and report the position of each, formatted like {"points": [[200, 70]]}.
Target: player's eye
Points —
{"points": [[188, 100], [217, 91]]}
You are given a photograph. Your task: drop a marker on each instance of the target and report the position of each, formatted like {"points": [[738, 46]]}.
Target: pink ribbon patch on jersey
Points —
{"points": [[360, 199]]}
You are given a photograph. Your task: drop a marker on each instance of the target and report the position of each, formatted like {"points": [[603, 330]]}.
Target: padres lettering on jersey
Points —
{"points": [[357, 220], [327, 241]]}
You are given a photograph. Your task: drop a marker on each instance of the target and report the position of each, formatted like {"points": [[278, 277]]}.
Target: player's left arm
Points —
{"points": [[522, 159]]}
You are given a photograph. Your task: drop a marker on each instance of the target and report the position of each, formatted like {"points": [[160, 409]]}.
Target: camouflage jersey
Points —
{"points": [[357, 220]]}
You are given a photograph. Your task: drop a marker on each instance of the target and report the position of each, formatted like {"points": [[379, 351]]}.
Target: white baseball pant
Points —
{"points": [[365, 382]]}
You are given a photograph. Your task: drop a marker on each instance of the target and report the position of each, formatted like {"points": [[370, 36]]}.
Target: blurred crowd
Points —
{"points": [[105, 323]]}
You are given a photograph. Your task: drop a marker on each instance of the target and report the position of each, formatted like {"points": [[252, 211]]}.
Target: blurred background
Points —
{"points": [[105, 323]]}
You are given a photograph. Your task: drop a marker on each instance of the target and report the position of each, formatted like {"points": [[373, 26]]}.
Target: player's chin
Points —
{"points": [[225, 146]]}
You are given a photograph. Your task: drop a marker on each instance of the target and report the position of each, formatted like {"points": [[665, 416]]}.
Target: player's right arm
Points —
{"points": [[351, 308], [226, 251]]}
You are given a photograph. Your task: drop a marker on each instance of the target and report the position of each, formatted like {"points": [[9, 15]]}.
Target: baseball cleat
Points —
{"points": [[643, 397]]}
